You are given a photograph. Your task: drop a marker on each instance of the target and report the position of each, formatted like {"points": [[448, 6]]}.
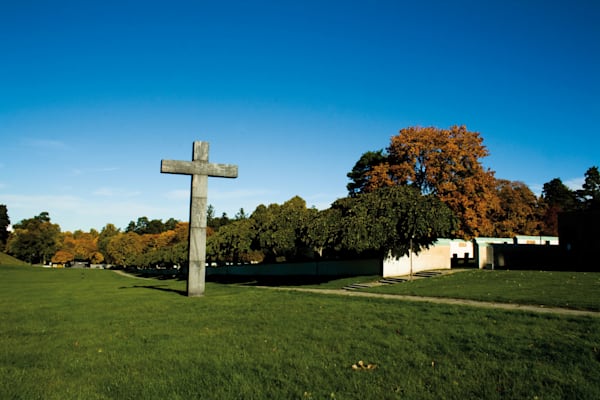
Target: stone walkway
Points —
{"points": [[445, 300]]}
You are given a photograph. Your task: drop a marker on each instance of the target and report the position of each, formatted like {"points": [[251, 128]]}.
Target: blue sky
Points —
{"points": [[93, 94]]}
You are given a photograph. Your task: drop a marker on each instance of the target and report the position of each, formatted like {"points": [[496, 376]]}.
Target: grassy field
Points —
{"points": [[558, 289], [93, 334], [5, 259]]}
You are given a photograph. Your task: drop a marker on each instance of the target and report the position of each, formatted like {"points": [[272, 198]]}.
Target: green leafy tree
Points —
{"points": [[322, 231], [233, 242], [106, 234], [4, 224], [145, 225], [392, 220], [279, 229], [241, 214], [170, 224], [35, 239]]}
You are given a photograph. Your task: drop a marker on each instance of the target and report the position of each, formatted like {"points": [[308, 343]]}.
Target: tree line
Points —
{"points": [[428, 183]]}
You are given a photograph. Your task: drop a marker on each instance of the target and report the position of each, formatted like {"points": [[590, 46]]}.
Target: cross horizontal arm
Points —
{"points": [[198, 168]]}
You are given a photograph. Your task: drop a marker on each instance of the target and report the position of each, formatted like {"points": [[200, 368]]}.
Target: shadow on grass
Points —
{"points": [[247, 280], [161, 288], [273, 280]]}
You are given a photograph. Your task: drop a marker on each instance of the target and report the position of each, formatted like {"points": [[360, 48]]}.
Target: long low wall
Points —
{"points": [[321, 268]]}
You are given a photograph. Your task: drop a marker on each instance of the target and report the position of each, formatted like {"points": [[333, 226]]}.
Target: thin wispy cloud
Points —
{"points": [[181, 194], [240, 193], [84, 171], [115, 192], [177, 194], [46, 144], [42, 202], [575, 183]]}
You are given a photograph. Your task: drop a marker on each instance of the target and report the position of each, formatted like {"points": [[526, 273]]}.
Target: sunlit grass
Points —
{"points": [[579, 290], [85, 334]]}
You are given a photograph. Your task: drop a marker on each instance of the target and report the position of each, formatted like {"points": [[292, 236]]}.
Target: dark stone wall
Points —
{"points": [[579, 234]]}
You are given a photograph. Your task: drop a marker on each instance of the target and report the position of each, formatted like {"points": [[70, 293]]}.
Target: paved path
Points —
{"points": [[445, 300]]}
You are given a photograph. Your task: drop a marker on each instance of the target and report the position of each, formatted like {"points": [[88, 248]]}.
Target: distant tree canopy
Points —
{"points": [[144, 225]]}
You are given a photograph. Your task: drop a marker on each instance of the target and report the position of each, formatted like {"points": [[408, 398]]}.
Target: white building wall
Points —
{"points": [[438, 256]]}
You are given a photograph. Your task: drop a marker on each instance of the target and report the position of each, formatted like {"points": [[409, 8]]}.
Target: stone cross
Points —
{"points": [[200, 169]]}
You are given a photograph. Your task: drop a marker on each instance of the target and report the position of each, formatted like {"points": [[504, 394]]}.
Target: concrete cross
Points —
{"points": [[200, 169]]}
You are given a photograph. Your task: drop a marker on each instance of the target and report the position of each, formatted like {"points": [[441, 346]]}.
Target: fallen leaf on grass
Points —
{"points": [[361, 365]]}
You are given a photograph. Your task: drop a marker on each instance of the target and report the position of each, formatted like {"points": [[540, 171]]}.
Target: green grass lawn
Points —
{"points": [[92, 334], [578, 290], [5, 259]]}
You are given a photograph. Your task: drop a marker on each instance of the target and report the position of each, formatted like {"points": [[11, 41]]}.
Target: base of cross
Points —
{"points": [[196, 280]]}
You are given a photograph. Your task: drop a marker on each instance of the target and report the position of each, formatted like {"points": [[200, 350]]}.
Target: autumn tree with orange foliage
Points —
{"points": [[80, 246], [444, 163], [519, 213]]}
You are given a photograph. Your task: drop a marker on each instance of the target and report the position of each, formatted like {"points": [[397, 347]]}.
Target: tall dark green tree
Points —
{"points": [[361, 173], [556, 198], [589, 195], [4, 223]]}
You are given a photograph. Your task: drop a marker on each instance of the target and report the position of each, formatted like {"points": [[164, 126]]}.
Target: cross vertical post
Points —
{"points": [[197, 235], [200, 169]]}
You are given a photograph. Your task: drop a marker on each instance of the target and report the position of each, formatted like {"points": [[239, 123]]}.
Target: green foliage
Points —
{"points": [[34, 240], [90, 334], [556, 193], [322, 231], [280, 229], [146, 226], [233, 242], [388, 219], [106, 234], [360, 174]]}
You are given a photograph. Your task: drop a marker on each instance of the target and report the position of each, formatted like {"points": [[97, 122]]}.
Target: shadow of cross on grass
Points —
{"points": [[161, 288]]}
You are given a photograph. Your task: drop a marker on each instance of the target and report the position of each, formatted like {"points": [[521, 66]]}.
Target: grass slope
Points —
{"points": [[579, 290], [92, 334], [6, 260]]}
